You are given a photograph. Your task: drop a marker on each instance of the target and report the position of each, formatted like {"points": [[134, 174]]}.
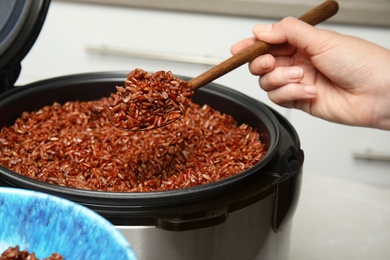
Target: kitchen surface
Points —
{"points": [[344, 209]]}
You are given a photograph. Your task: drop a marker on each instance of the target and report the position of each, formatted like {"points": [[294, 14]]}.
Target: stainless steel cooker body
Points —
{"points": [[246, 234]]}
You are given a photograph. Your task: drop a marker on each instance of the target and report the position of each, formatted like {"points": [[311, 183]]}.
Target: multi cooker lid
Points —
{"points": [[20, 24]]}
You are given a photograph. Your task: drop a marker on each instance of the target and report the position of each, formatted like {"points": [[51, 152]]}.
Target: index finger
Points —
{"points": [[239, 46]]}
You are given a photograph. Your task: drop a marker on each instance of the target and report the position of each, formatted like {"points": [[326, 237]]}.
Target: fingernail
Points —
{"points": [[261, 28], [294, 73], [311, 89]]}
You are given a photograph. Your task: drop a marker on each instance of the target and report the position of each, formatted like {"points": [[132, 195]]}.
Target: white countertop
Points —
{"points": [[341, 219]]}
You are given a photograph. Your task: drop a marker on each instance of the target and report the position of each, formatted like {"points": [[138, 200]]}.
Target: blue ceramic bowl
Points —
{"points": [[45, 224]]}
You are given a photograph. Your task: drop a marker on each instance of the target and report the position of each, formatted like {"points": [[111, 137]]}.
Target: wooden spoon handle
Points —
{"points": [[315, 16]]}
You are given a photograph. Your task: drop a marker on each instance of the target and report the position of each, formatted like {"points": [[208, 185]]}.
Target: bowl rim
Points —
{"points": [[110, 229]]}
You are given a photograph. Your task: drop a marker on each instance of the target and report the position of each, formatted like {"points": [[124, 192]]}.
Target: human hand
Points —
{"points": [[336, 77]]}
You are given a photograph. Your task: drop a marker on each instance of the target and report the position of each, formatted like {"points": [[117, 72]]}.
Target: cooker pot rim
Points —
{"points": [[148, 197]]}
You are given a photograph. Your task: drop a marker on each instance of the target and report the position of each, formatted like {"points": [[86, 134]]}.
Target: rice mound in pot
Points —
{"points": [[75, 145]]}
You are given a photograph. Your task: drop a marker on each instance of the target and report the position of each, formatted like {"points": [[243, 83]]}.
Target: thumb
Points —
{"points": [[294, 32]]}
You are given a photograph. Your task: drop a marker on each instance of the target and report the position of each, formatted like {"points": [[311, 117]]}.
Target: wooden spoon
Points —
{"points": [[147, 102], [315, 16]]}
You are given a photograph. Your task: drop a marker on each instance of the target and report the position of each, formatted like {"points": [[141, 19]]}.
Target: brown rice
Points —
{"points": [[75, 145], [148, 100]]}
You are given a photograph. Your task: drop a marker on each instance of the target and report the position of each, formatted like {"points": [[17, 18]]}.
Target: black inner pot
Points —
{"points": [[92, 86]]}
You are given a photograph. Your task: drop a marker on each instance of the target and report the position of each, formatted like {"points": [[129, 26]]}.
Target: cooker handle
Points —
{"points": [[288, 184], [8, 77], [194, 220]]}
